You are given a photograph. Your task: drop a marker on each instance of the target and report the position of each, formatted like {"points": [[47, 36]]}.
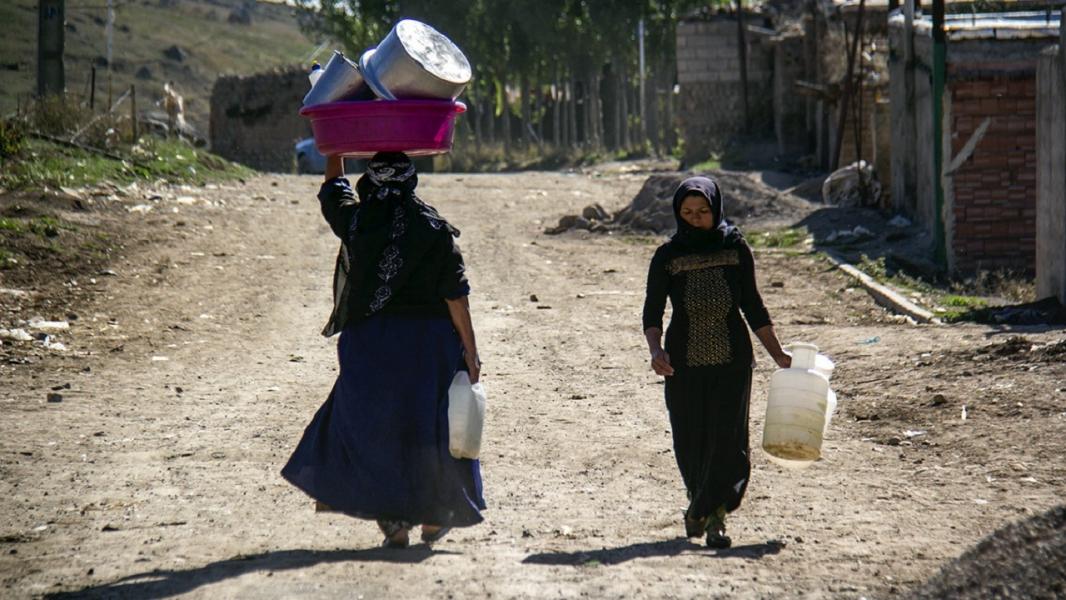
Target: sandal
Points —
{"points": [[395, 534], [435, 536]]}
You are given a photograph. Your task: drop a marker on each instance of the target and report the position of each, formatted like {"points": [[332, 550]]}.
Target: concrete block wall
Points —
{"points": [[710, 108], [1051, 173], [255, 120], [790, 109], [991, 202]]}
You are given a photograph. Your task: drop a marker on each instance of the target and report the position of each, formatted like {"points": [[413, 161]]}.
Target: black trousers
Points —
{"points": [[709, 418]]}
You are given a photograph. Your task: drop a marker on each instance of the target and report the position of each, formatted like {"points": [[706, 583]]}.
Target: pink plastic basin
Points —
{"points": [[361, 129]]}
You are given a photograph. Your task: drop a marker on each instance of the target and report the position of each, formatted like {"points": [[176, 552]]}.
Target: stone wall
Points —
{"points": [[255, 120], [711, 109], [1051, 173]]}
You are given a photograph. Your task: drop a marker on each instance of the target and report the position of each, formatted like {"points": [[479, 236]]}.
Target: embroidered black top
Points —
{"points": [[438, 275], [707, 291]]}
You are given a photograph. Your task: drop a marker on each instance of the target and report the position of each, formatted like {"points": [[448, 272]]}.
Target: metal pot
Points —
{"points": [[416, 61], [340, 80]]}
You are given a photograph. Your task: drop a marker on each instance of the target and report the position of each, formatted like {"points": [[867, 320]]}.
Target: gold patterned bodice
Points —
{"points": [[707, 301]]}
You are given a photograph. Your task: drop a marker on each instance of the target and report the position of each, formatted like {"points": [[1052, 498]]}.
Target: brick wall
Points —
{"points": [[255, 120], [711, 108], [992, 204]]}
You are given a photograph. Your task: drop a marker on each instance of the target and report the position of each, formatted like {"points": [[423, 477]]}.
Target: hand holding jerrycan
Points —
{"points": [[799, 408]]}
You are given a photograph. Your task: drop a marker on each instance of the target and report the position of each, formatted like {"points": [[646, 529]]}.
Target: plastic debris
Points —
{"points": [[853, 185], [42, 325], [17, 335], [900, 221]]}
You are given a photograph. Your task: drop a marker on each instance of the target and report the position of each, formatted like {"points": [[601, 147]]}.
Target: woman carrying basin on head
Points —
{"points": [[378, 448], [707, 271]]}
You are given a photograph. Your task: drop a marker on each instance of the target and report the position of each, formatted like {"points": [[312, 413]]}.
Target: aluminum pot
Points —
{"points": [[340, 80], [416, 61]]}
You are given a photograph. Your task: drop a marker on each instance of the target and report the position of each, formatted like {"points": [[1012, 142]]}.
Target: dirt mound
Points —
{"points": [[1020, 348], [748, 200], [1023, 560]]}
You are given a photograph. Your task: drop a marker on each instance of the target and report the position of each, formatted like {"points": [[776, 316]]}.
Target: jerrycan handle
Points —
{"points": [[804, 355]]}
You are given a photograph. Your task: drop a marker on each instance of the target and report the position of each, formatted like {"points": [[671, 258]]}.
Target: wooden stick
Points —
{"points": [[133, 111], [69, 144]]}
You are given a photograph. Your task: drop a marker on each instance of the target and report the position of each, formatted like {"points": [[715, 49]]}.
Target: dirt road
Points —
{"points": [[193, 372]]}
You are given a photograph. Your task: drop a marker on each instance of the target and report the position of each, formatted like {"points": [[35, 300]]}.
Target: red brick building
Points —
{"points": [[988, 169]]}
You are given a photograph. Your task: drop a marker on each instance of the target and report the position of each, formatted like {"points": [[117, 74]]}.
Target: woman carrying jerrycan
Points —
{"points": [[707, 270]]}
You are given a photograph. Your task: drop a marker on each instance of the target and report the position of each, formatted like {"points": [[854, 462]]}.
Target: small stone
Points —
{"points": [[893, 441], [526, 533], [176, 53], [777, 284], [179, 390], [939, 400], [533, 298], [55, 398]]}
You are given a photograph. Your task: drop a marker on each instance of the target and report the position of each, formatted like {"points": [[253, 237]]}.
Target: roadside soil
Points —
{"points": [[192, 370]]}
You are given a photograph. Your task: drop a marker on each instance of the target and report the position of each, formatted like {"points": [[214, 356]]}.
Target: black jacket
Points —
{"points": [[708, 291], [439, 275]]}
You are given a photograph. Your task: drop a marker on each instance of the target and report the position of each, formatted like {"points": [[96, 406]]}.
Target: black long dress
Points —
{"points": [[708, 285]]}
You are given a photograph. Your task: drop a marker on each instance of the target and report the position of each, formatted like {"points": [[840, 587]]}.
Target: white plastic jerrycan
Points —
{"points": [[799, 408]]}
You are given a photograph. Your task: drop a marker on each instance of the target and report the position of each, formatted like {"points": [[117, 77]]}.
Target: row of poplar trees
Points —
{"points": [[548, 74]]}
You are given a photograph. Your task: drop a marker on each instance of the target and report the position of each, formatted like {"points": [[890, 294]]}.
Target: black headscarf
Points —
{"points": [[720, 235], [391, 231]]}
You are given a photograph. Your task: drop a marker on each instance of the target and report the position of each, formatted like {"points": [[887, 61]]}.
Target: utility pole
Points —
{"points": [[51, 18], [939, 68]]}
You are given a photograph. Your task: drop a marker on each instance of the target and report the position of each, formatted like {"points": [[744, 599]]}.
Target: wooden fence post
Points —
{"points": [[133, 112]]}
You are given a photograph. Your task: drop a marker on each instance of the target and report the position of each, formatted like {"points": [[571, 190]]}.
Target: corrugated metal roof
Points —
{"points": [[988, 26]]}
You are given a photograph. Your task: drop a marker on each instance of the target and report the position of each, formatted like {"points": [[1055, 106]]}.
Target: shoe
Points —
{"points": [[695, 527], [436, 536], [716, 537], [396, 534]]}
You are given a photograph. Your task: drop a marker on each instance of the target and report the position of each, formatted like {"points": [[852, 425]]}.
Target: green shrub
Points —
{"points": [[58, 115], [12, 138]]}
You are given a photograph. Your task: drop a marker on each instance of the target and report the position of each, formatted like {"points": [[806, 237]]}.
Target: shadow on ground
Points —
{"points": [[907, 249], [615, 556], [163, 583]]}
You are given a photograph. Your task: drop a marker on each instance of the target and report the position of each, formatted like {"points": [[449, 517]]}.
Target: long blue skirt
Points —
{"points": [[378, 447]]}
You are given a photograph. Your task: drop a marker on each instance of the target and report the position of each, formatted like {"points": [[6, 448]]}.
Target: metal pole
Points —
{"points": [[939, 66], [742, 48], [643, 100], [92, 90]]}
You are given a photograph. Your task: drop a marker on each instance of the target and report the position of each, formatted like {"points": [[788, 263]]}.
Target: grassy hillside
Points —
{"points": [[144, 30]]}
